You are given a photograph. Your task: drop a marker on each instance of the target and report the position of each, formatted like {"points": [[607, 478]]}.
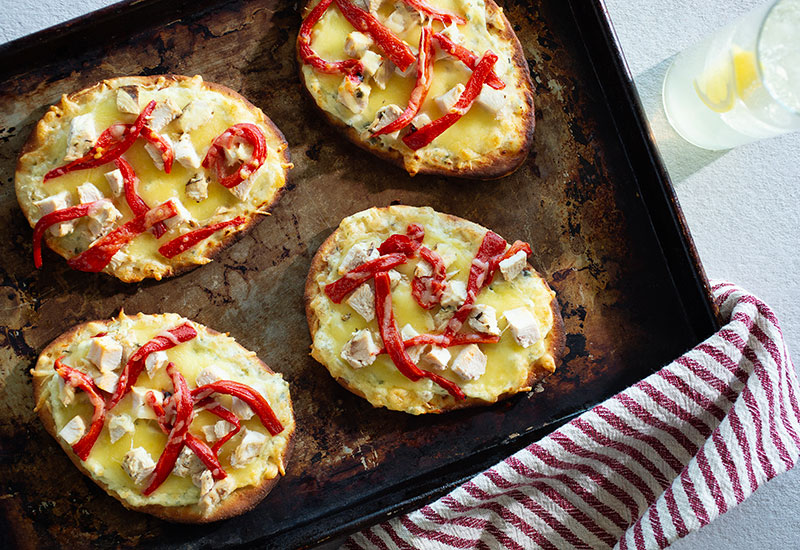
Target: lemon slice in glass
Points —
{"points": [[715, 87], [746, 74]]}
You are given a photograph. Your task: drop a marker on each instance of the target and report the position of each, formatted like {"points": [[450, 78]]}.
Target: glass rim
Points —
{"points": [[795, 112]]}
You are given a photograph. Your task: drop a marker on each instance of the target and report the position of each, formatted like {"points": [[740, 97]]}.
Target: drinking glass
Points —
{"points": [[742, 83]]}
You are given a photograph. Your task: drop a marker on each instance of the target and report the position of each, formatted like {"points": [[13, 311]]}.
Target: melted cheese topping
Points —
{"points": [[155, 186], [508, 364], [475, 135], [207, 349]]}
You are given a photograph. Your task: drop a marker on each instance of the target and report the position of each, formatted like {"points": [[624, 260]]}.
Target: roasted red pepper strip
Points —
{"points": [[203, 451], [135, 365], [444, 16], [492, 247], [97, 256], [429, 132], [58, 216], [77, 379], [427, 291], [399, 244], [363, 21], [188, 240], [254, 400], [103, 152], [340, 288], [350, 67], [228, 416], [135, 202], [421, 88], [394, 342], [184, 405], [443, 341], [163, 146], [216, 154], [468, 58]]}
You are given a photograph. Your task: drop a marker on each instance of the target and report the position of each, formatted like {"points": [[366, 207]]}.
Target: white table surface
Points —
{"points": [[743, 208]]}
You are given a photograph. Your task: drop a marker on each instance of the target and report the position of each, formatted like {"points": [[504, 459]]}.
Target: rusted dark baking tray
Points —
{"points": [[593, 198]]}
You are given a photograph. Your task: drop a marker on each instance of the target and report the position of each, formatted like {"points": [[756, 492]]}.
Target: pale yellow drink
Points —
{"points": [[742, 83]]}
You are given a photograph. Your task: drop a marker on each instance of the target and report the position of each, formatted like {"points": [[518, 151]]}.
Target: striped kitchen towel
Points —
{"points": [[644, 468]]}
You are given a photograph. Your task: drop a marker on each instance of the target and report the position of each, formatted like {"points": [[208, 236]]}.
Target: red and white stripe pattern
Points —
{"points": [[643, 469]]}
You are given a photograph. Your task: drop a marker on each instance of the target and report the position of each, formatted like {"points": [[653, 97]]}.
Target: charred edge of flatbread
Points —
{"points": [[274, 136], [240, 501], [493, 166], [537, 372]]}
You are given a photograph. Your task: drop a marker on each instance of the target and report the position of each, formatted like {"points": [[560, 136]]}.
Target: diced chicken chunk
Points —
{"points": [[242, 190], [483, 318], [357, 255], [217, 431], [107, 381], [437, 358], [395, 277], [87, 192], [454, 294], [188, 464], [101, 219], [362, 300], [470, 363], [448, 253], [59, 201], [414, 352], [420, 120], [354, 96], [155, 153], [217, 494], [410, 70], [138, 464], [116, 182], [397, 21], [360, 351], [241, 409], [119, 425], [66, 393], [73, 431], [383, 74], [356, 44], [513, 266], [447, 100], [182, 217], [185, 153], [423, 269], [385, 116], [492, 100], [194, 115], [197, 187], [164, 113], [105, 353], [209, 375], [238, 152], [139, 406], [128, 100], [155, 361], [250, 446], [523, 326], [204, 480], [371, 63], [81, 138]]}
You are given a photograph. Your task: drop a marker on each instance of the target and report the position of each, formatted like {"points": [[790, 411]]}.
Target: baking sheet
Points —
{"points": [[579, 200]]}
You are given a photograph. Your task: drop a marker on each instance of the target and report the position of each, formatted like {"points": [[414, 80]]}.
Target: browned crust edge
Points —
{"points": [[495, 166], [240, 501], [232, 235], [556, 338]]}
